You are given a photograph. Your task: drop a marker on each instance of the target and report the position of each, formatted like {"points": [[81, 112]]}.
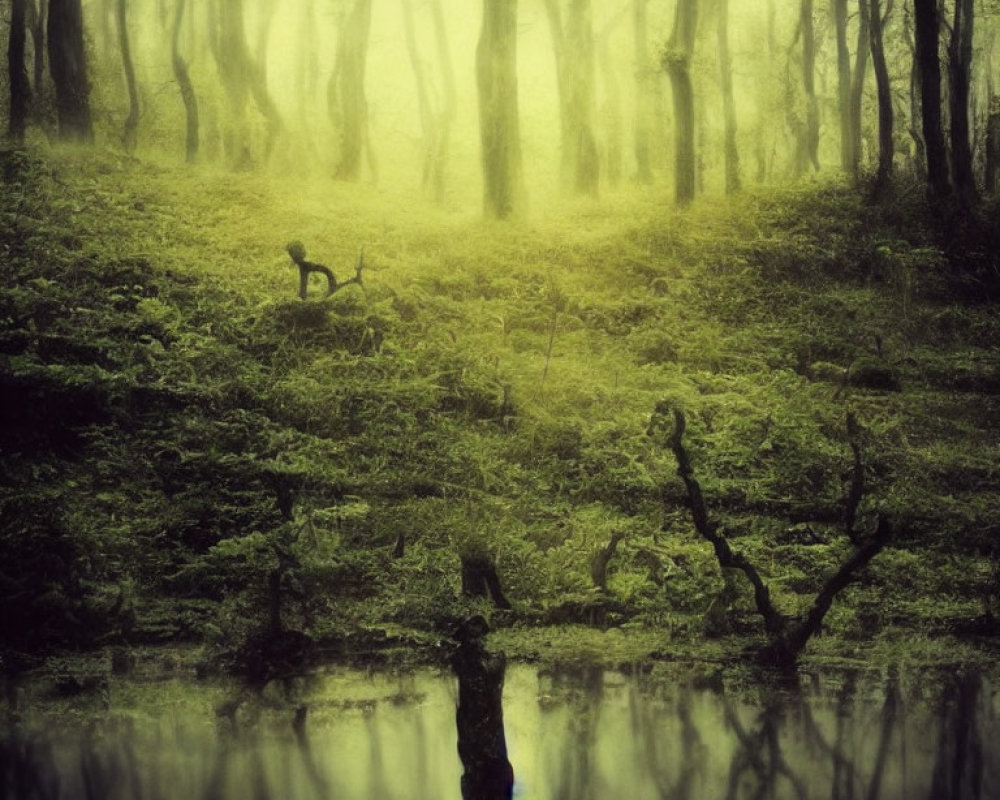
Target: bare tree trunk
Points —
{"points": [[68, 65], [810, 142], [847, 156], [677, 62], [611, 106], [499, 126], [353, 60], [643, 101], [959, 76], [186, 88], [732, 153], [446, 118], [926, 30], [918, 159], [20, 89], [36, 25], [130, 132], [885, 112], [573, 45]]}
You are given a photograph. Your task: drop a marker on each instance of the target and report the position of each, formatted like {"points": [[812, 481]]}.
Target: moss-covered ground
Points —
{"points": [[179, 427]]}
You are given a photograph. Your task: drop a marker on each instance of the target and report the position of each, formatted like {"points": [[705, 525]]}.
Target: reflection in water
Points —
{"points": [[572, 734]]}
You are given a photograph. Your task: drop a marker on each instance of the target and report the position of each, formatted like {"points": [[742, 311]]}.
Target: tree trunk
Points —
{"points": [[446, 117], [20, 89], [732, 153], [353, 60], [130, 132], [884, 90], [959, 77], [677, 62], [643, 101], [926, 29], [186, 88], [810, 142], [36, 25], [992, 147], [611, 106], [499, 126], [918, 158], [847, 157], [68, 65], [573, 45]]}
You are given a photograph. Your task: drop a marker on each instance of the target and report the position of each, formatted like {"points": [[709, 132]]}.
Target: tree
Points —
{"points": [[809, 143], [847, 156], [884, 92], [677, 63], [68, 65], [435, 119], [959, 79], [499, 125], [352, 59], [643, 101], [131, 129], [731, 151], [573, 46], [926, 33], [183, 79], [20, 89]]}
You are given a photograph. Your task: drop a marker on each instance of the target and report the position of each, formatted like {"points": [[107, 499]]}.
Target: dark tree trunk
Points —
{"points": [[68, 65], [353, 60], [918, 158], [858, 84], [186, 88], [847, 163], [992, 147], [130, 132], [677, 62], [20, 89], [959, 77], [499, 126], [884, 90], [810, 141], [36, 25], [479, 579], [926, 30], [643, 100], [573, 45], [732, 153]]}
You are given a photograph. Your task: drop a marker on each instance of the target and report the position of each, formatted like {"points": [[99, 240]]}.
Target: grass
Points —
{"points": [[491, 383]]}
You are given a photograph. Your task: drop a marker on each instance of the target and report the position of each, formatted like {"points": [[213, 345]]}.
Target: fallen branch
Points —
{"points": [[787, 639]]}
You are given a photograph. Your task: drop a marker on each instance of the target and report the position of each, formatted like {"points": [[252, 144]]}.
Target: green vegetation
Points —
{"points": [[191, 453]]}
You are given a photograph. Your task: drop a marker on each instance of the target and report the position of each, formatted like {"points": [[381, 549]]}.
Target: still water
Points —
{"points": [[576, 734]]}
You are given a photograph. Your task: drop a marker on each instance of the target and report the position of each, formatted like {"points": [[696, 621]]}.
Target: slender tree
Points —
{"points": [[847, 160], [352, 61], [927, 24], [959, 79], [449, 102], [183, 78], [20, 89], [499, 125], [68, 65], [731, 151], [130, 132], [573, 46], [677, 62], [36, 25], [884, 94], [643, 99], [810, 142]]}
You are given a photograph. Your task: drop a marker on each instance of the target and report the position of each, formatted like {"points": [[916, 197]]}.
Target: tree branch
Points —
{"points": [[774, 621]]}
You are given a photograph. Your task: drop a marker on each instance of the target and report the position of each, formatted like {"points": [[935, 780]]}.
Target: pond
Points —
{"points": [[571, 733]]}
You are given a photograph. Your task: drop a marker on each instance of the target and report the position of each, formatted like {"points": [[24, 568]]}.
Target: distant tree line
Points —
{"points": [[904, 85]]}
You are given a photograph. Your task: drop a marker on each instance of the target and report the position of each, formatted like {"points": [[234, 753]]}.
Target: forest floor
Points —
{"points": [[188, 447]]}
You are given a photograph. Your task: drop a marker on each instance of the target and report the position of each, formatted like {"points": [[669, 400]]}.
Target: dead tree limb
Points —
{"points": [[774, 621], [787, 639]]}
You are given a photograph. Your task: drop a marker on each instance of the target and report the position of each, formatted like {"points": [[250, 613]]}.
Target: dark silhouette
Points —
{"points": [[68, 65], [297, 251], [482, 745]]}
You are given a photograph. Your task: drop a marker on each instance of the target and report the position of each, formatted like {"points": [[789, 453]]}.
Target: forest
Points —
{"points": [[403, 332]]}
